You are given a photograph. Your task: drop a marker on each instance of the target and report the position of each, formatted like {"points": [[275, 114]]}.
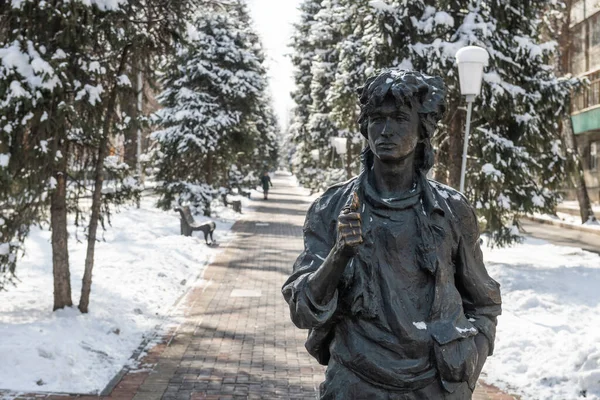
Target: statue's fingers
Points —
{"points": [[355, 203], [343, 224], [349, 216], [354, 223], [354, 240], [345, 230]]}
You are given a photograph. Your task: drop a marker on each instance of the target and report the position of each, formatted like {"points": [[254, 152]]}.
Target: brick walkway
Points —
{"points": [[238, 340]]}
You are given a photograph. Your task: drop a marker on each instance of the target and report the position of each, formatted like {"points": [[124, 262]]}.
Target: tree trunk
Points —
{"points": [[130, 140], [134, 107], [60, 235], [348, 158], [455, 148], [209, 168], [440, 173], [97, 195], [585, 207]]}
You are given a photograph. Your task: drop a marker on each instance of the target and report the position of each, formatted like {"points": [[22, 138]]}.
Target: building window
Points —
{"points": [[578, 50], [594, 27], [594, 152]]}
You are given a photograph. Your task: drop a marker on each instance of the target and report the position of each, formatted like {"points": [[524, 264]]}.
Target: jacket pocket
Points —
{"points": [[456, 362]]}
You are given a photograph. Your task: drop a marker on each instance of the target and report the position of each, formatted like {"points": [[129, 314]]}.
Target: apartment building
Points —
{"points": [[584, 61]]}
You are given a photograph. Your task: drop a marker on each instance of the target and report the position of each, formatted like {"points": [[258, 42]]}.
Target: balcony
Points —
{"points": [[586, 106]]}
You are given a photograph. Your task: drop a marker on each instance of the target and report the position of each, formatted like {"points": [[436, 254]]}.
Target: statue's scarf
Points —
{"points": [[362, 279]]}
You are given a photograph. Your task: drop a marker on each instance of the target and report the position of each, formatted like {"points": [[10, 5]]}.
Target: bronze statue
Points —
{"points": [[391, 283]]}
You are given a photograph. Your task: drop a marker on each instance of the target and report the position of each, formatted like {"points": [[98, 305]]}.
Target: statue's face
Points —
{"points": [[393, 132]]}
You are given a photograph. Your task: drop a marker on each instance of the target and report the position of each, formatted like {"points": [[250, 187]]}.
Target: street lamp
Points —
{"points": [[315, 154], [339, 144], [471, 60]]}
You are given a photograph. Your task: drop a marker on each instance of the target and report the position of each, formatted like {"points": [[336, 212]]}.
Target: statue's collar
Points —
{"points": [[421, 191], [430, 201]]}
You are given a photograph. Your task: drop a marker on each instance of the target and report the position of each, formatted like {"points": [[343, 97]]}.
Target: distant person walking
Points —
{"points": [[265, 181]]}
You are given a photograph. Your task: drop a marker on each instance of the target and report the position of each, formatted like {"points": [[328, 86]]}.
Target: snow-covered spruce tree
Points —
{"points": [[69, 62], [303, 164], [211, 87], [266, 148], [259, 123], [516, 156], [339, 45], [354, 66], [43, 65], [325, 35], [121, 46], [374, 35]]}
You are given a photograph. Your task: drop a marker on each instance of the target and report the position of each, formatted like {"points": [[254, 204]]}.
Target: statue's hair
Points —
{"points": [[422, 91]]}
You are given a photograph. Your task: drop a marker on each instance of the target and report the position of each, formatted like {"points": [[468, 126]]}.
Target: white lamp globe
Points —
{"points": [[315, 154], [471, 60], [340, 145]]}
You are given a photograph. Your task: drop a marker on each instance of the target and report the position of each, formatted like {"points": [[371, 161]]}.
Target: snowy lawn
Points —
{"points": [[564, 218], [574, 205], [548, 338], [141, 269]]}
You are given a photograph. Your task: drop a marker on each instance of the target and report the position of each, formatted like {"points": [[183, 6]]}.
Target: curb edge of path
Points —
{"points": [[580, 228]]}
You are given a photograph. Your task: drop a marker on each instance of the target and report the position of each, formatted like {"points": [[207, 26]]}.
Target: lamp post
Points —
{"points": [[470, 60]]}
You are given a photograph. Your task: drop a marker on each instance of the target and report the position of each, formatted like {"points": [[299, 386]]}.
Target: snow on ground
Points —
{"points": [[574, 205], [548, 338], [569, 219], [141, 270]]}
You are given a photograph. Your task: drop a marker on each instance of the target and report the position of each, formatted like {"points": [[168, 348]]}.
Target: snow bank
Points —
{"points": [[548, 342], [568, 219], [143, 267]]}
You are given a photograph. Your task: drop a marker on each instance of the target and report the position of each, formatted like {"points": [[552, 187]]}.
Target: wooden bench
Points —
{"points": [[235, 204], [188, 225]]}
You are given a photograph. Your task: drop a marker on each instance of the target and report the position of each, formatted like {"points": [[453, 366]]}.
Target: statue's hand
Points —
{"points": [[349, 227]]}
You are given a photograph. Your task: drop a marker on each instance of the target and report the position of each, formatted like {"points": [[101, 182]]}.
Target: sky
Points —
{"points": [[273, 21]]}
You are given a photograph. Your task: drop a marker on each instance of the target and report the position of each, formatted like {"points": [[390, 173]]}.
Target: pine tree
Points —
{"points": [[44, 71], [68, 63], [516, 156], [325, 35], [354, 66], [266, 148], [260, 124], [303, 164], [212, 90], [374, 35], [339, 44]]}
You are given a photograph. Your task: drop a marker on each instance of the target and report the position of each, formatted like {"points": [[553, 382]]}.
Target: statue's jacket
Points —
{"points": [[411, 299]]}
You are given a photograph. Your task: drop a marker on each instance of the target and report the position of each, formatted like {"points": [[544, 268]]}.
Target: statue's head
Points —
{"points": [[399, 114]]}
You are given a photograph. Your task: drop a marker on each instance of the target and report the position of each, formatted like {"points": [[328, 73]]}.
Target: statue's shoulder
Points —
{"points": [[447, 192], [334, 198], [458, 205]]}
